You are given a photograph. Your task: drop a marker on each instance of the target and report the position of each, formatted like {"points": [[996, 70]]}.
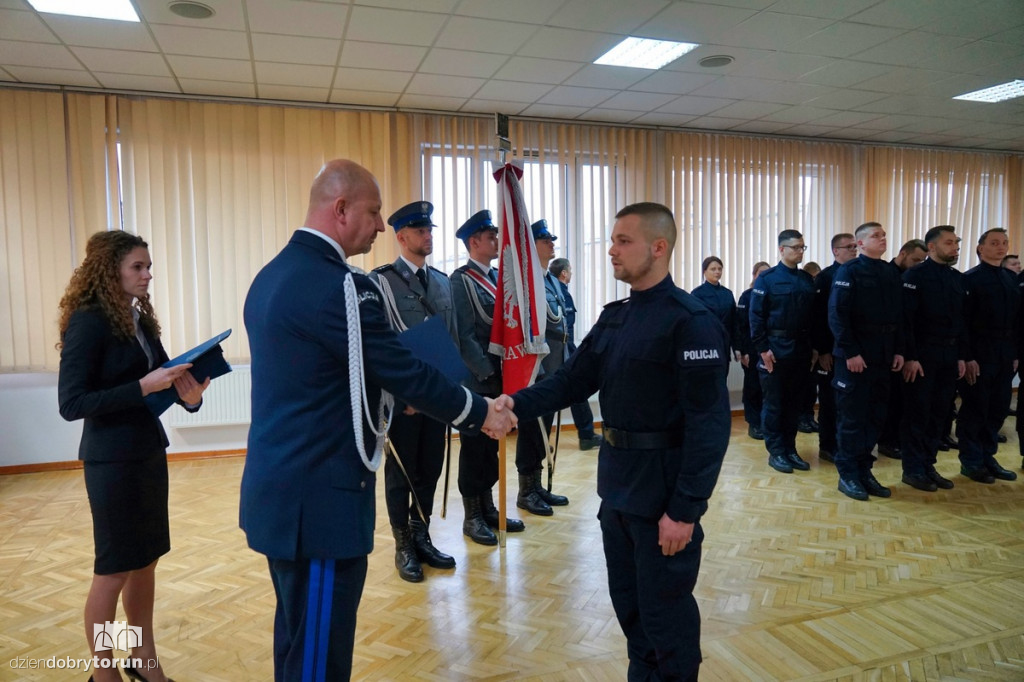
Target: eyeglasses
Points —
{"points": [[802, 247], [848, 247]]}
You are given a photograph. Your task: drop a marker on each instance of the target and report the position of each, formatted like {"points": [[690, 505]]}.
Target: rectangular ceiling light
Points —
{"points": [[118, 10], [644, 53], [997, 93]]}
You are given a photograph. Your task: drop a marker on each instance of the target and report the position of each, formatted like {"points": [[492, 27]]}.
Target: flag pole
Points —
{"points": [[504, 145]]}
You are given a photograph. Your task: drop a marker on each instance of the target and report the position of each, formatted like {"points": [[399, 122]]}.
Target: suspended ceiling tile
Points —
{"points": [[317, 20], [363, 98], [662, 118], [143, 82], [774, 31], [601, 76], [372, 79], [799, 114], [462, 63], [431, 102], [206, 68], [454, 86], [117, 35], [490, 106], [917, 47], [484, 35], [293, 93], [526, 11], [783, 66], [535, 70], [714, 123], [513, 91], [826, 9], [608, 17], [32, 74], [380, 56], [202, 42], [610, 115], [576, 97], [749, 110], [123, 61], [228, 15], [22, 25], [393, 26], [563, 43], [695, 106], [440, 6], [673, 82], [695, 22], [554, 111], [199, 86], [293, 74], [18, 53], [844, 39], [843, 74], [268, 47]]}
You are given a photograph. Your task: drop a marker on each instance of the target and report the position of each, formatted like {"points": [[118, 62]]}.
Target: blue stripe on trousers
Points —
{"points": [[318, 620]]}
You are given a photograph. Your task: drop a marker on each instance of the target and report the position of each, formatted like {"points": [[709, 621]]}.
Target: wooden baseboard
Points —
{"points": [[41, 467]]}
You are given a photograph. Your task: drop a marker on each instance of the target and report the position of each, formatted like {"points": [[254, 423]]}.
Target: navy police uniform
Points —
{"points": [[991, 311], [752, 399], [823, 341], [659, 359], [307, 498], [411, 296], [865, 316], [532, 444], [935, 336], [780, 320], [582, 415], [719, 300]]}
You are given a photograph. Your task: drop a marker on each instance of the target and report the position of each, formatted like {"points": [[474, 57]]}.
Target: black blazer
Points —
{"points": [[99, 382]]}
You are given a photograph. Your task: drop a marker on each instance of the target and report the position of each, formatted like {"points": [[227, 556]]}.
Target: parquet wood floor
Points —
{"points": [[797, 583]]}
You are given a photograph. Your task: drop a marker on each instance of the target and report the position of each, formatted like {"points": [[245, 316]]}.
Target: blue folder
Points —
{"points": [[430, 342], [207, 361]]}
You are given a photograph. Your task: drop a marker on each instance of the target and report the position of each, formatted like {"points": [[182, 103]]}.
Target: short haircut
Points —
{"points": [[933, 234], [913, 245], [657, 221], [812, 268], [786, 235], [708, 261], [1008, 257], [986, 233], [864, 228], [840, 237], [558, 266]]}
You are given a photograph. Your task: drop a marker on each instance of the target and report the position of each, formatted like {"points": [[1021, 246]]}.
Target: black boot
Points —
{"points": [[491, 515], [408, 565], [474, 527], [552, 499], [425, 550], [529, 496]]}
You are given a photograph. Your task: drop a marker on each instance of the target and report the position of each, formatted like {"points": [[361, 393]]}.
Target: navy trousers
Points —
{"points": [[419, 441], [926, 407], [752, 398], [827, 439], [782, 389], [862, 400], [982, 411], [653, 597], [315, 621]]}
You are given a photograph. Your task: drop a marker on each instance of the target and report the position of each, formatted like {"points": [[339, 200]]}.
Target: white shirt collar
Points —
{"points": [[484, 267], [336, 245], [412, 266]]}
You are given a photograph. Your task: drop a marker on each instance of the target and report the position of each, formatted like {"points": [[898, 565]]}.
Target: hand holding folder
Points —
{"points": [[207, 361]]}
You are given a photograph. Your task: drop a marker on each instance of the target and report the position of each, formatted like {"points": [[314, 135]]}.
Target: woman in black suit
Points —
{"points": [[110, 360]]}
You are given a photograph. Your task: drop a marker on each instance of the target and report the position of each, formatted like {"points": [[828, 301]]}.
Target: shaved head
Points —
{"points": [[656, 221], [344, 204]]}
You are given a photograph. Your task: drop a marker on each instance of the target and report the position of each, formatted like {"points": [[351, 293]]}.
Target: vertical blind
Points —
{"points": [[217, 189]]}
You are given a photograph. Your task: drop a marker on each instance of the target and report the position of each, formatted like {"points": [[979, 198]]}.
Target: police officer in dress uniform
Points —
{"points": [[532, 445], [866, 318], [935, 345], [844, 249], [993, 300], [582, 415], [412, 293], [780, 320], [474, 287], [660, 360]]}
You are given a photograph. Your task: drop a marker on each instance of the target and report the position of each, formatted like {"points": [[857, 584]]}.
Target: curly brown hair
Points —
{"points": [[97, 283]]}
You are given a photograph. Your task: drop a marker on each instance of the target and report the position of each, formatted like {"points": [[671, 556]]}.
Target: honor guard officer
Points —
{"points": [[865, 316], [844, 249], [935, 345], [993, 300], [474, 287], [660, 360], [532, 444], [780, 320], [412, 293], [323, 356]]}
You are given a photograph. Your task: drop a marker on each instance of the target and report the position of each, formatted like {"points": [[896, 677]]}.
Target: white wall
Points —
{"points": [[33, 432]]}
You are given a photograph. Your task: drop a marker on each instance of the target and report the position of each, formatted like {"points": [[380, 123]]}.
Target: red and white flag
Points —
{"points": [[517, 334]]}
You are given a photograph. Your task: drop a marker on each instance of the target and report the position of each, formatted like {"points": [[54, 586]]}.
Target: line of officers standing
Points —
{"points": [[889, 344], [414, 292]]}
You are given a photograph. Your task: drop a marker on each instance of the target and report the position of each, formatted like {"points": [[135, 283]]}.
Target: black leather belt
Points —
{"points": [[641, 440]]}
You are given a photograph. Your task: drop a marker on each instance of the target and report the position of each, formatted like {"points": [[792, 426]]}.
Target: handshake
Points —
{"points": [[500, 417]]}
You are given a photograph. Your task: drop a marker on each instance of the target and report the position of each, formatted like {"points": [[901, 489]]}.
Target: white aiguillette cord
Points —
{"points": [[357, 384]]}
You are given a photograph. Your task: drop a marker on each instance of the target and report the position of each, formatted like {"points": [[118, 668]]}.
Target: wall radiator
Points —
{"points": [[225, 402]]}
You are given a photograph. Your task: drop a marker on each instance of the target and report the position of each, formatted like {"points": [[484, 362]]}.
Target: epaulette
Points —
{"points": [[384, 268], [440, 272]]}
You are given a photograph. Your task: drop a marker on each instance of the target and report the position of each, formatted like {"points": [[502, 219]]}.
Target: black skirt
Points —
{"points": [[128, 500]]}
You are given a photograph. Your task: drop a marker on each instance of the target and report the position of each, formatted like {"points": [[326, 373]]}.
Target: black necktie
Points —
{"points": [[422, 275], [492, 275]]}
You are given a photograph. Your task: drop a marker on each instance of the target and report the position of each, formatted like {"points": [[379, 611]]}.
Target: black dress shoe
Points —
{"points": [[852, 488], [549, 497], [780, 463], [474, 527], [592, 442], [826, 455], [873, 487], [891, 451], [529, 498], [1000, 438], [797, 462], [981, 475], [425, 550], [755, 432], [806, 426], [920, 482], [134, 674], [949, 443], [939, 480], [999, 472]]}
